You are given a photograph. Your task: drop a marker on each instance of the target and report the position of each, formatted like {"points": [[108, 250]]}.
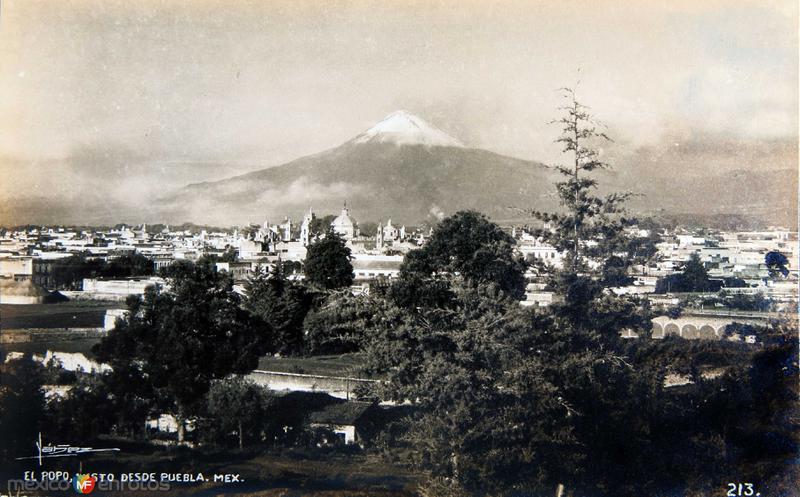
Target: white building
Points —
{"points": [[16, 267], [305, 228], [367, 266]]}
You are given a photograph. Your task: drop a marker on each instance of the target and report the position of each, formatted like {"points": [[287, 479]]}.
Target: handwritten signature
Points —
{"points": [[61, 450]]}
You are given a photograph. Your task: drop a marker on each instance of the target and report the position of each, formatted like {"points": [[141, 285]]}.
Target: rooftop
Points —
{"points": [[344, 413]]}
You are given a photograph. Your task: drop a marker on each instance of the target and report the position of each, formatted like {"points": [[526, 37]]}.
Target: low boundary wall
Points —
{"points": [[29, 335], [335, 386]]}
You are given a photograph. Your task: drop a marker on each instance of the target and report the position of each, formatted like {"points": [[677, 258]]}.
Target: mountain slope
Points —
{"points": [[410, 183]]}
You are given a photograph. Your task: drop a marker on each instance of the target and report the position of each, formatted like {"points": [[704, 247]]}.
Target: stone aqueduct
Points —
{"points": [[691, 327]]}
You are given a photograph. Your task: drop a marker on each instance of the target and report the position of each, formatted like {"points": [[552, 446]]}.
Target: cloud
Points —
{"points": [[436, 212], [684, 153], [304, 192]]}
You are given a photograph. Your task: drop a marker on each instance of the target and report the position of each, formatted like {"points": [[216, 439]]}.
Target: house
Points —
{"points": [[348, 420], [25, 292], [118, 288], [367, 267], [111, 316], [16, 268], [239, 270]]}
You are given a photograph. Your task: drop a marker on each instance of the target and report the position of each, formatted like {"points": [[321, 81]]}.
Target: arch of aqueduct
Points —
{"points": [[691, 327]]}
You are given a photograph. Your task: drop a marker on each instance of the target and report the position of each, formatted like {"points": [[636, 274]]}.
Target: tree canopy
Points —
{"points": [[181, 338], [236, 405], [321, 225], [283, 305], [486, 418], [22, 405], [470, 245], [693, 278], [327, 264], [69, 272], [776, 263], [342, 323]]}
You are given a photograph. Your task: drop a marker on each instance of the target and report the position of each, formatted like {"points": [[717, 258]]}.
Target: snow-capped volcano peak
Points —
{"points": [[404, 128]]}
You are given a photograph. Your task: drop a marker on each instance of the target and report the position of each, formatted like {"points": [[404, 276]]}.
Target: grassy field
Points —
{"points": [[73, 314]]}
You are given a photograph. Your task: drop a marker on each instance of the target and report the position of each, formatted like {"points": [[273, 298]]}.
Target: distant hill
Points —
{"points": [[740, 198]]}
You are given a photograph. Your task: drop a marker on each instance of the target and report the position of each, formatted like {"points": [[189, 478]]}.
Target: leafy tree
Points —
{"points": [[413, 291], [236, 405], [327, 263], [615, 272], [22, 405], [695, 275], [282, 304], [291, 267], [756, 302], [642, 250], [230, 255], [68, 273], [776, 263], [115, 402], [667, 284], [127, 265], [467, 243], [84, 412], [487, 420], [342, 322], [693, 278], [181, 339], [321, 225], [132, 396], [737, 423], [289, 414]]}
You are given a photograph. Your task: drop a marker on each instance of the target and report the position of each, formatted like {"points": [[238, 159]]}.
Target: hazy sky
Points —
{"points": [[137, 97]]}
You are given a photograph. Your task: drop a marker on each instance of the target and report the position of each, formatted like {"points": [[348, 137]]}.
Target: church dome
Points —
{"points": [[344, 224], [343, 221]]}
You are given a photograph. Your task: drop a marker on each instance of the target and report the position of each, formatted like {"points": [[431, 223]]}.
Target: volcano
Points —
{"points": [[402, 168]]}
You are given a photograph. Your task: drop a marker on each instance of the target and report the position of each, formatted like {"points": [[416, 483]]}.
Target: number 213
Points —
{"points": [[741, 489]]}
